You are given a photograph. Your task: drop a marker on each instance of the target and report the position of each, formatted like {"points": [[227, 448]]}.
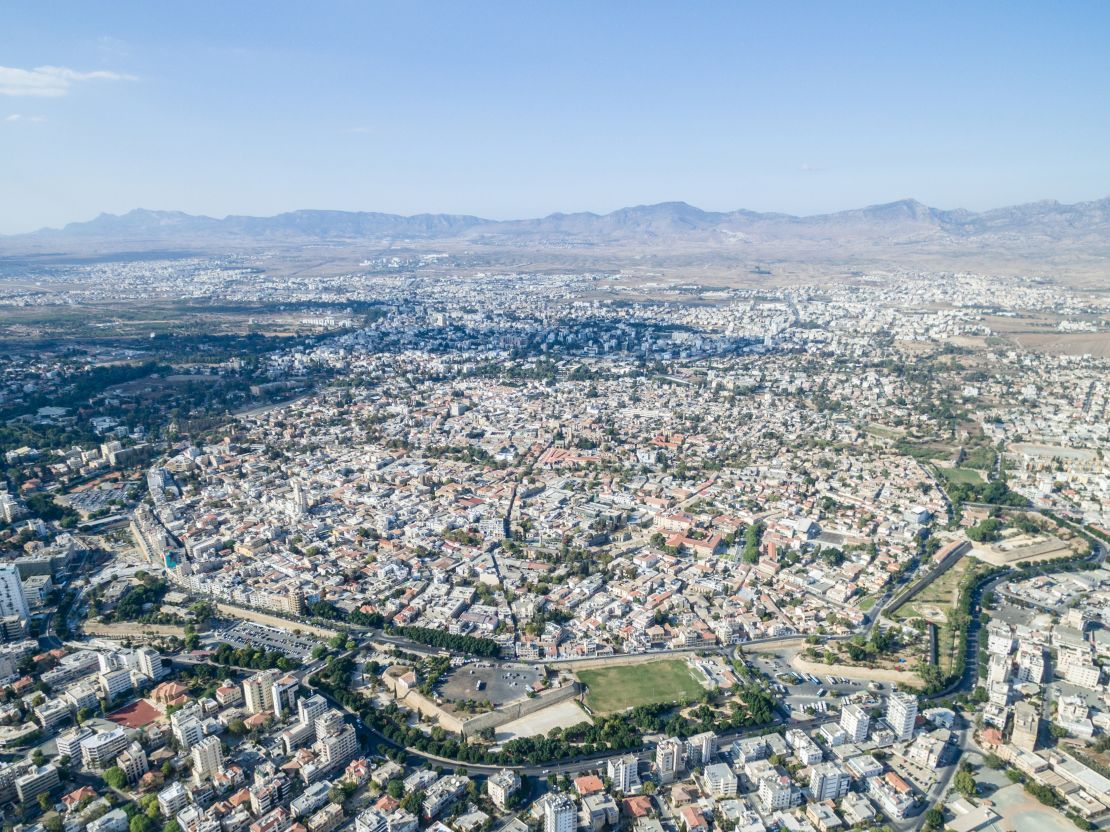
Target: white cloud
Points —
{"points": [[17, 118], [50, 81]]}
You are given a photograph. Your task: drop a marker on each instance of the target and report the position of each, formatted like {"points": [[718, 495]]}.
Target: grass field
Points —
{"points": [[613, 689], [867, 603], [961, 475]]}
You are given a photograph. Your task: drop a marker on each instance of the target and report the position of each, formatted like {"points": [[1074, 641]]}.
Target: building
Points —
{"points": [[100, 750], [69, 742], [186, 727], [502, 786], [1027, 725], [258, 692], [150, 663], [559, 814], [115, 683], [208, 758], [310, 708], [13, 601], [442, 793], [856, 722], [284, 695], [336, 741], [827, 781], [133, 763], [669, 759], [623, 772], [37, 780], [720, 780], [901, 714], [775, 793], [114, 821], [172, 799], [701, 749]]}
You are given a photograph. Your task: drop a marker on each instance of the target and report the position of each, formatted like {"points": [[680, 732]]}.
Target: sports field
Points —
{"points": [[619, 687], [961, 475]]}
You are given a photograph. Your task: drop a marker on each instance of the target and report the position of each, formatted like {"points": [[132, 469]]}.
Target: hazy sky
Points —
{"points": [[524, 108]]}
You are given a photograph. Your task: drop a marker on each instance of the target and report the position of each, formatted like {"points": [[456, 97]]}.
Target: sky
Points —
{"points": [[522, 108]]}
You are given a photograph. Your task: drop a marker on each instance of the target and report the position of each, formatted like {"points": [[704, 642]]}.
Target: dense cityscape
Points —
{"points": [[598, 551]]}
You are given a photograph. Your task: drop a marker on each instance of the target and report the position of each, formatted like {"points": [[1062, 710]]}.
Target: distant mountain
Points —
{"points": [[1083, 227]]}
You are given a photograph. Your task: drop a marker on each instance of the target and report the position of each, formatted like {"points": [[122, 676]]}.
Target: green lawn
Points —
{"points": [[968, 475], [867, 603], [616, 688]]}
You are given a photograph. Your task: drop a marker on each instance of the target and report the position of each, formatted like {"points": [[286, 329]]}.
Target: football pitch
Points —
{"points": [[613, 689]]}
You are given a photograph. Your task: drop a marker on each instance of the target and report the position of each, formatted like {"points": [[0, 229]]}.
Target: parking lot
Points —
{"points": [[807, 695], [497, 684], [249, 634]]}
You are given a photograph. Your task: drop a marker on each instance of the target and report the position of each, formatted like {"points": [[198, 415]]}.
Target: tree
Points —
{"points": [[934, 818], [965, 783], [171, 826], [395, 789], [236, 727], [115, 777], [44, 801], [37, 757]]}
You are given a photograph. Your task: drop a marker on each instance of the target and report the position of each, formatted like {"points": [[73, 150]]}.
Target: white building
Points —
{"points": [[258, 691], [559, 814], [208, 758], [13, 601], [150, 663], [669, 759], [623, 773], [720, 781], [828, 781], [501, 786], [856, 722], [100, 750], [901, 714]]}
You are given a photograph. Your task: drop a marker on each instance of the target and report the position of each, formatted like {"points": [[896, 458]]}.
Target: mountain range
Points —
{"points": [[907, 225]]}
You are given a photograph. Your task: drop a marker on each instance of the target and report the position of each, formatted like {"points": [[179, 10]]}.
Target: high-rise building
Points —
{"points": [[701, 749], [310, 708], [559, 814], [258, 691], [150, 663], [284, 695], [669, 759], [901, 714], [208, 757], [623, 772], [133, 763], [336, 741], [13, 601], [186, 727], [855, 721]]}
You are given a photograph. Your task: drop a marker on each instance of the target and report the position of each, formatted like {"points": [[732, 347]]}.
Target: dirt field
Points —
{"points": [[561, 715], [274, 621], [132, 630], [870, 674]]}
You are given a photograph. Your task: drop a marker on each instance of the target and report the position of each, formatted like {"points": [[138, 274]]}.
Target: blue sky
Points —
{"points": [[524, 108]]}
